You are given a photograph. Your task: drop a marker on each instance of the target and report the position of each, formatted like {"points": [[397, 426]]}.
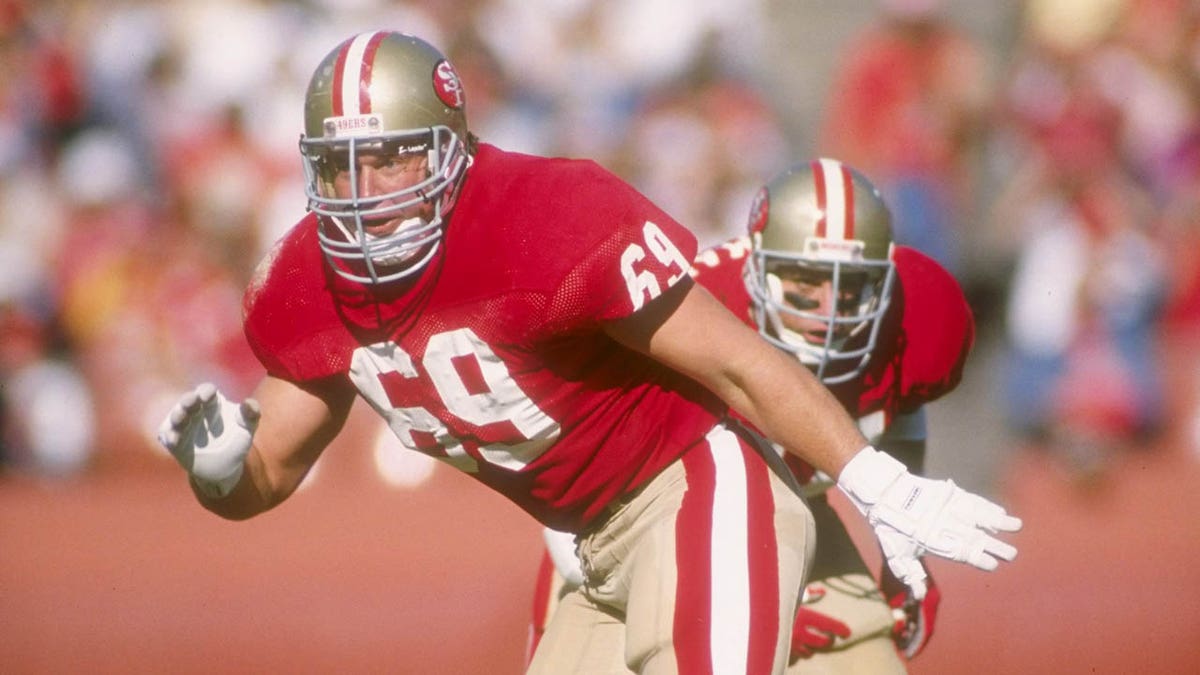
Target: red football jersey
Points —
{"points": [[494, 358], [923, 344]]}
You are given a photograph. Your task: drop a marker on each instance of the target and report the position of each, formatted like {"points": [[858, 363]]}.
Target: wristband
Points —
{"points": [[868, 474]]}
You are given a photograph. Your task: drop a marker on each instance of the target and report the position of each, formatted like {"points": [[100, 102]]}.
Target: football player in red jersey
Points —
{"points": [[819, 277], [530, 321]]}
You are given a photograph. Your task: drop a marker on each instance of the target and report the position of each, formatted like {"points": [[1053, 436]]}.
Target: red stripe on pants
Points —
{"points": [[540, 617], [693, 562], [693, 628], [764, 565]]}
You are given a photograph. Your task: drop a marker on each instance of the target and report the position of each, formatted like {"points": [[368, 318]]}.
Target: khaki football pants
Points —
{"points": [[698, 571], [840, 587]]}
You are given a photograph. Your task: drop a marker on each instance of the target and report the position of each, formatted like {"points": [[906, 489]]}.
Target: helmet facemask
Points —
{"points": [[846, 330], [344, 221]]}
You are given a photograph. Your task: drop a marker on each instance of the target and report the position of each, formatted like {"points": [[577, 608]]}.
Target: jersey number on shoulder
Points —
{"points": [[473, 384], [641, 282]]}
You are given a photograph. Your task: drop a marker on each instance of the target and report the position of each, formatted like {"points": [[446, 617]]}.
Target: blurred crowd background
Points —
{"points": [[1046, 151]]}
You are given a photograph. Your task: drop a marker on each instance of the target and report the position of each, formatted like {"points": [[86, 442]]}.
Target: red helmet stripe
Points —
{"points": [[819, 180], [368, 65], [835, 199], [352, 74], [848, 190]]}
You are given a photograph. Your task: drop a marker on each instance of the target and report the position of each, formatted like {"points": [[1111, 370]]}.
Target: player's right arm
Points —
{"points": [[244, 459]]}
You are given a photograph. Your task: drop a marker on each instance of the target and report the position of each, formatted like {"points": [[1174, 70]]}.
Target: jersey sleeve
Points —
{"points": [[719, 269], [288, 314], [938, 327], [628, 252]]}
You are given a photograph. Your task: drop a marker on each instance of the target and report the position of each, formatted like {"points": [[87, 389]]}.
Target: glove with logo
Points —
{"points": [[814, 631], [210, 436], [914, 618], [912, 516]]}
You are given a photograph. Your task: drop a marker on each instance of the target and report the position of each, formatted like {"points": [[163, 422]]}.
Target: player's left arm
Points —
{"points": [[687, 329], [754, 378]]}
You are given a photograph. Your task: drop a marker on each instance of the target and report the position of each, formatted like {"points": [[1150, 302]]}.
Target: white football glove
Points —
{"points": [[561, 546], [913, 515], [209, 436]]}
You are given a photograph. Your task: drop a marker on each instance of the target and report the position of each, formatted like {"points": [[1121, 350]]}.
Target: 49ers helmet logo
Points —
{"points": [[448, 85], [759, 210]]}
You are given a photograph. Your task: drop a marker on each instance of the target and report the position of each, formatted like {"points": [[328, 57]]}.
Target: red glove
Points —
{"points": [[914, 618], [814, 631]]}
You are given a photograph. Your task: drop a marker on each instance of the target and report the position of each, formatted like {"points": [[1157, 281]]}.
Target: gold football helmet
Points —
{"points": [[393, 95], [815, 224]]}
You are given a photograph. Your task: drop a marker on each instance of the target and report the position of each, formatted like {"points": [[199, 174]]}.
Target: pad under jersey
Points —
{"points": [[494, 358], [923, 344]]}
